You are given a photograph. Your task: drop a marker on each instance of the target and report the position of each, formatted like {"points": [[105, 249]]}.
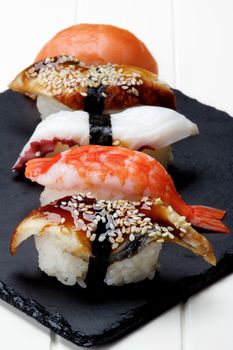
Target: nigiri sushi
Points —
{"points": [[79, 238], [144, 127], [71, 83], [100, 44], [115, 173]]}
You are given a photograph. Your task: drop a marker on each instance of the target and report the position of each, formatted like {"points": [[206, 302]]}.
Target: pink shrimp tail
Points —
{"points": [[209, 218]]}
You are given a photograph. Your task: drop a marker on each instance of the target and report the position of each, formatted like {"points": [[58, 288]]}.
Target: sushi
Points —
{"points": [[106, 208], [143, 127], [119, 240], [93, 44], [68, 82], [115, 173]]}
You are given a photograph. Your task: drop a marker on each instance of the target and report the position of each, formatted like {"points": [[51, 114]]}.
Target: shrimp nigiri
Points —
{"points": [[113, 173]]}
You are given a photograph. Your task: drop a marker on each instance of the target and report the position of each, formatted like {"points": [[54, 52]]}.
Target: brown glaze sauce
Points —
{"points": [[156, 212]]}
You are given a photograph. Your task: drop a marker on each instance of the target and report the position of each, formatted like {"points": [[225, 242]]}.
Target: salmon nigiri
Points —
{"points": [[100, 44], [113, 173]]}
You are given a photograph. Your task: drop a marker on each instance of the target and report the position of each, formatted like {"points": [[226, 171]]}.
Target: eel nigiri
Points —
{"points": [[144, 127], [72, 84], [120, 239], [116, 173]]}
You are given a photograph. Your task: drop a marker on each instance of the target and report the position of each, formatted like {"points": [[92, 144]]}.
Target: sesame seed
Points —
{"points": [[186, 224], [88, 233], [127, 231], [159, 201], [165, 234], [152, 234], [126, 223], [144, 230], [131, 237], [112, 227], [62, 220], [102, 237], [93, 237], [111, 234], [170, 209], [173, 217], [65, 230], [160, 240], [84, 94], [116, 143], [89, 212], [115, 245], [181, 219], [158, 233], [111, 240], [147, 219], [119, 239], [63, 203], [133, 229]]}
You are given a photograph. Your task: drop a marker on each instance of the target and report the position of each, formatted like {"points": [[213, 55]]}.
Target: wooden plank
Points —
{"points": [[203, 60], [25, 27], [19, 331], [150, 20], [207, 318], [204, 50]]}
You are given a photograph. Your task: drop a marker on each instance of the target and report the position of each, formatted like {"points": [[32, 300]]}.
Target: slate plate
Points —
{"points": [[203, 172]]}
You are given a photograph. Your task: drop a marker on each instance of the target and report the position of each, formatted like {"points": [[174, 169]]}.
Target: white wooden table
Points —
{"points": [[192, 42]]}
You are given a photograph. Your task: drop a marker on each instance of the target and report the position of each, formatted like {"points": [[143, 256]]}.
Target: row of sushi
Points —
{"points": [[100, 151]]}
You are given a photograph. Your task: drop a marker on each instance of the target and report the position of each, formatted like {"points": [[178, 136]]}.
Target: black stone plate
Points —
{"points": [[203, 172]]}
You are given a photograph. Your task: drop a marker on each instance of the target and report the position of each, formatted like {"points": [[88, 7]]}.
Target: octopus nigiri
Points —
{"points": [[116, 173], [79, 237], [64, 82], [144, 127]]}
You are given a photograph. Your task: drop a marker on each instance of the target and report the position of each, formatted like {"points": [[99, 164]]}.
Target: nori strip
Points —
{"points": [[100, 129]]}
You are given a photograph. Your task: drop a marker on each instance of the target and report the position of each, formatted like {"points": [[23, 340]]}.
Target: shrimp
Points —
{"points": [[116, 172]]}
